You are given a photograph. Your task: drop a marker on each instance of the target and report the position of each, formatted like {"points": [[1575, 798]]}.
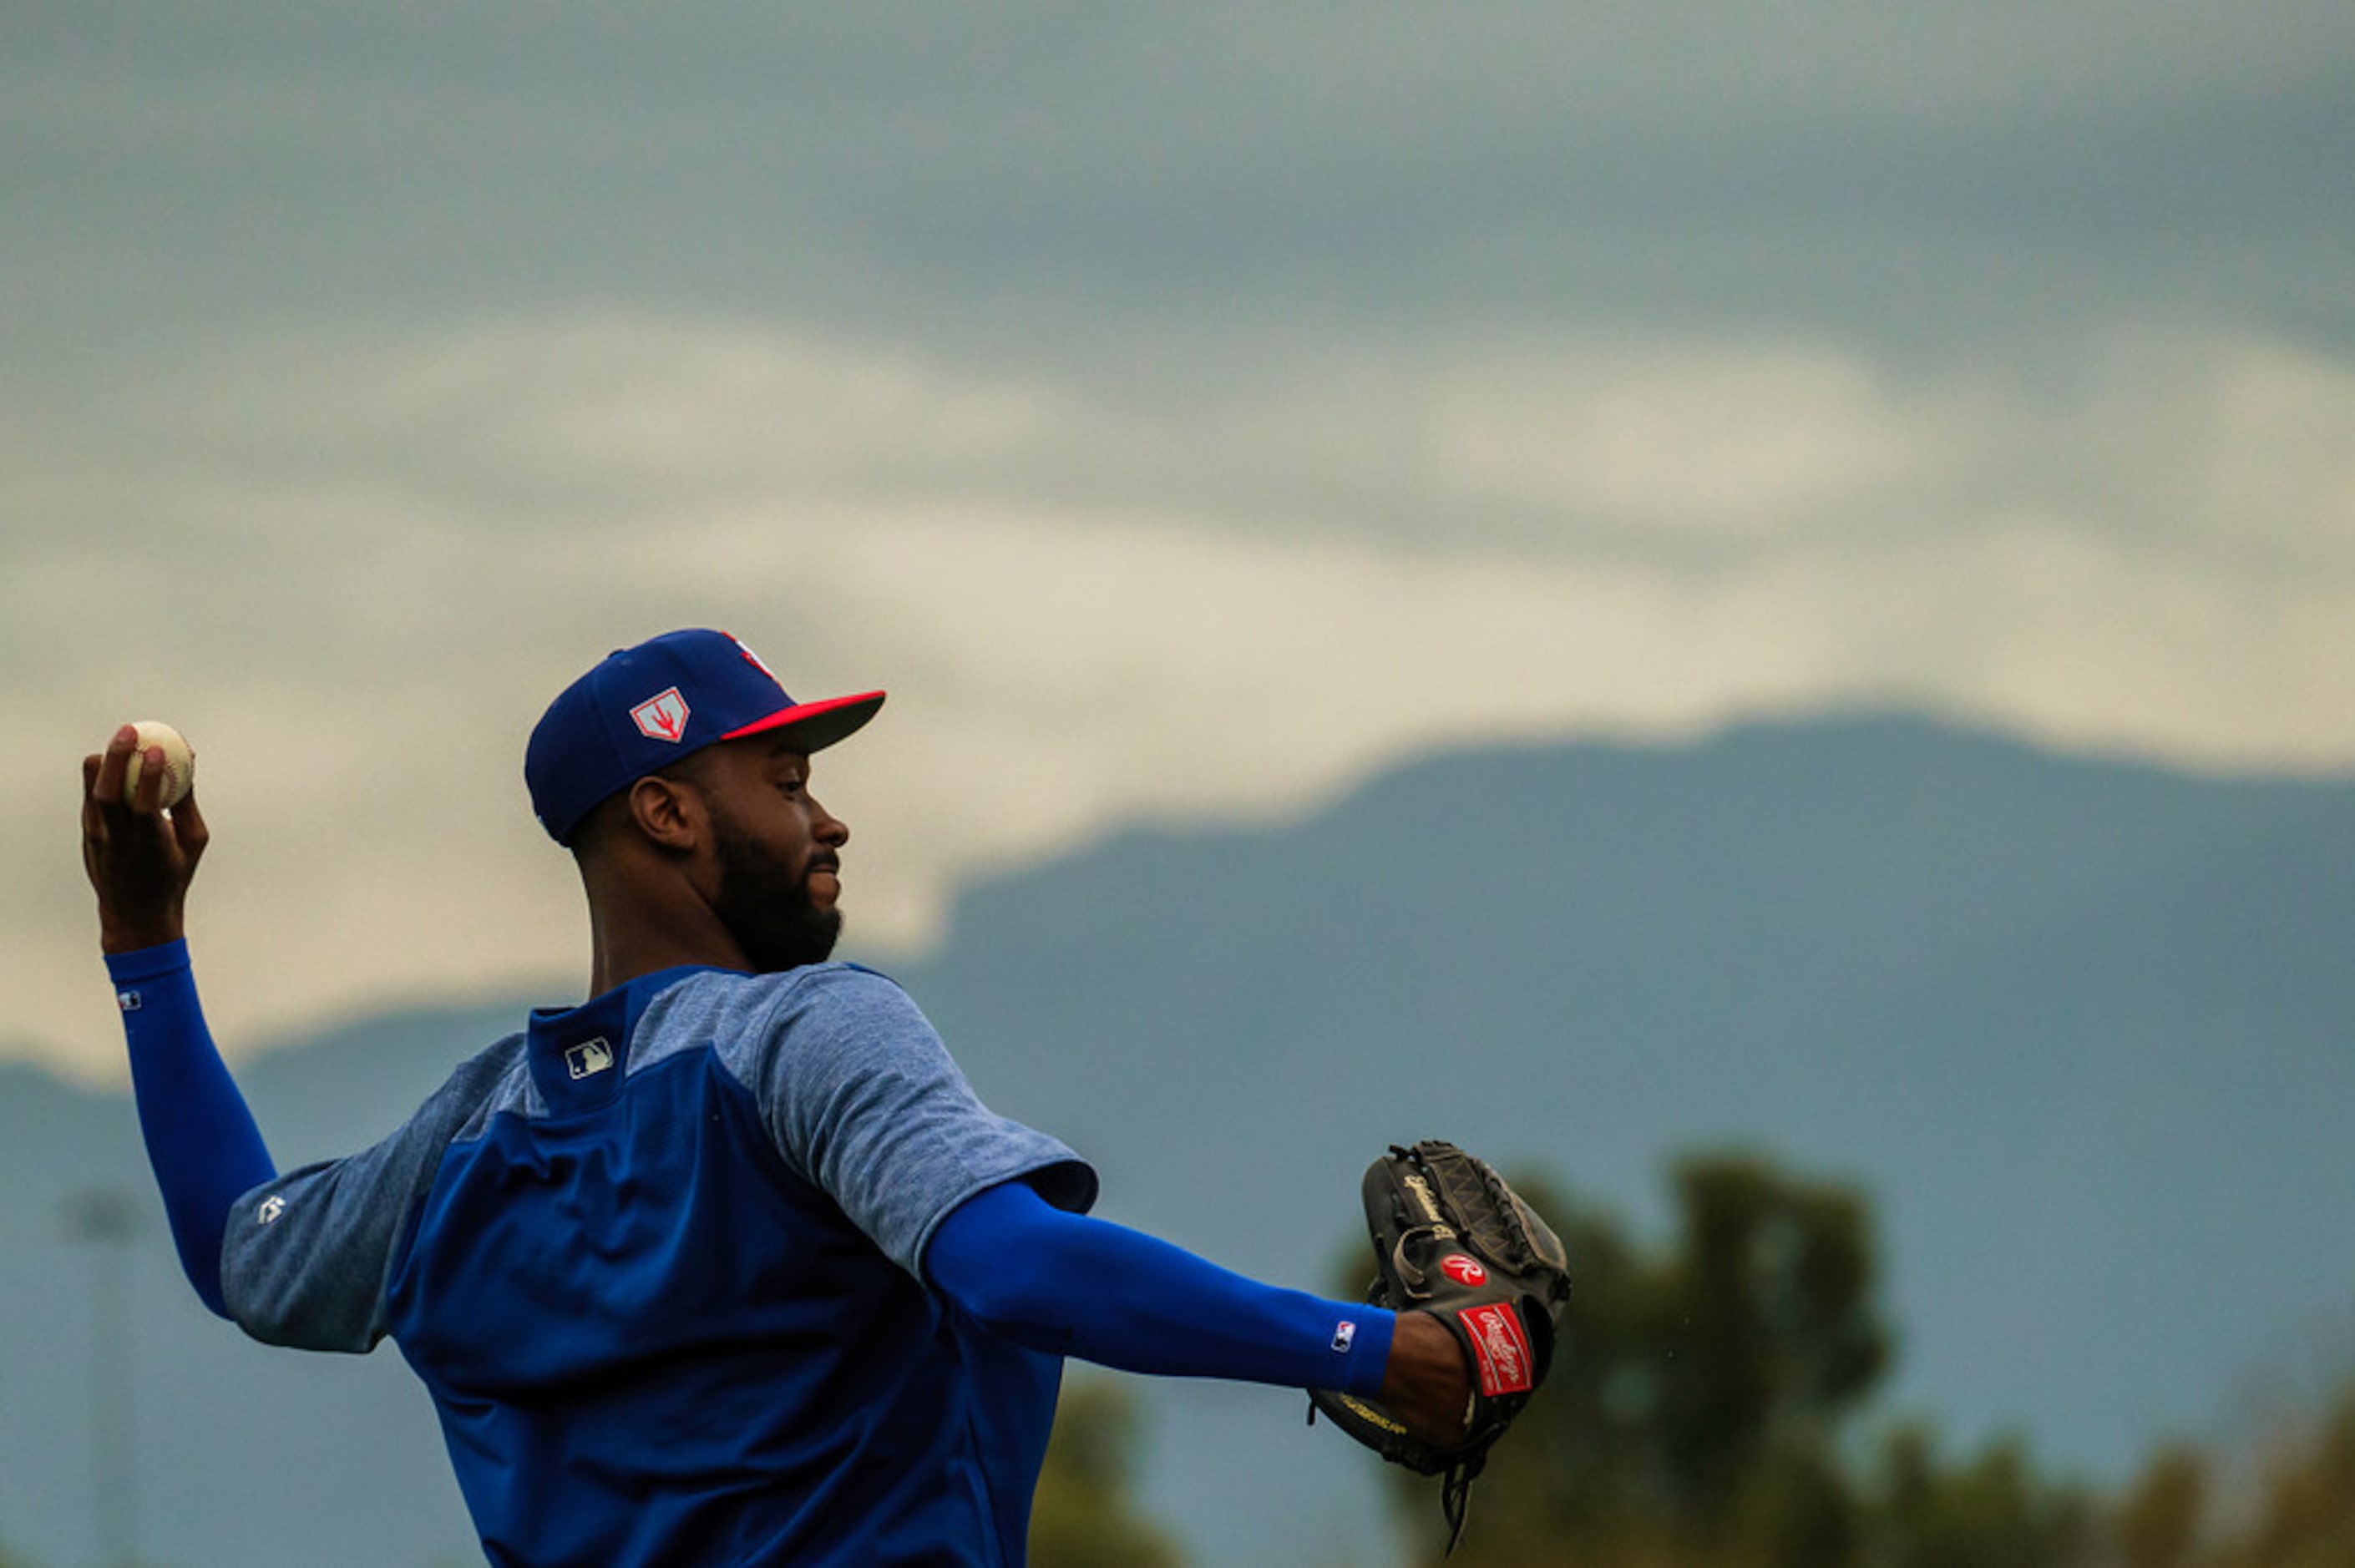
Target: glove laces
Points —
{"points": [[1455, 1497]]}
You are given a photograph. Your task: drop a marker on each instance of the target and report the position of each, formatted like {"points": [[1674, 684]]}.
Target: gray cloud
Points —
{"points": [[354, 569], [1183, 410], [1921, 171]]}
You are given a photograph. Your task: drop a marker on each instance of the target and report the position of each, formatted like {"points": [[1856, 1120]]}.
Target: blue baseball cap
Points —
{"points": [[642, 709]]}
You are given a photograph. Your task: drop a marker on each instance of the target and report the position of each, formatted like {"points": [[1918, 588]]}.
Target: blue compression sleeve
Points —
{"points": [[201, 1141], [1072, 1286]]}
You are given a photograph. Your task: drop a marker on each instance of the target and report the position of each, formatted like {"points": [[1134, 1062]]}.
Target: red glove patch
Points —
{"points": [[1501, 1348]]}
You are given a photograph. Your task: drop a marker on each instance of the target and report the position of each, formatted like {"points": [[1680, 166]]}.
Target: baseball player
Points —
{"points": [[727, 1264]]}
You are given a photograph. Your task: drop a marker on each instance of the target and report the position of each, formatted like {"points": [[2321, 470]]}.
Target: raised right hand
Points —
{"points": [[139, 857]]}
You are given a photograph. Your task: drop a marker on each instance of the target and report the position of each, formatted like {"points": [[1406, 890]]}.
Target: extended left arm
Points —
{"points": [[1074, 1286]]}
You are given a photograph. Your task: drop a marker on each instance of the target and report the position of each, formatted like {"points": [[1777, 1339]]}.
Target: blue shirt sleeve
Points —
{"points": [[863, 1101], [307, 1255], [202, 1142], [1072, 1286]]}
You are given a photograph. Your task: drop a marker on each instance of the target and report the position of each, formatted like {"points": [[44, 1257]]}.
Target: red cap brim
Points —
{"points": [[815, 724]]}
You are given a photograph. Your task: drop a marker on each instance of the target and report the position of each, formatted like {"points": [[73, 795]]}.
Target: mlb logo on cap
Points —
{"points": [[642, 709]]}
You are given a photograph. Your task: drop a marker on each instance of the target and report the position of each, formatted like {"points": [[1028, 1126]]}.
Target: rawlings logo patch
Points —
{"points": [[1501, 1348], [662, 717], [1465, 1271]]}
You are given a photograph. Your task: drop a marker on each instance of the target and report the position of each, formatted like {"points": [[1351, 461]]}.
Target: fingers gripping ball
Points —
{"points": [[179, 761]]}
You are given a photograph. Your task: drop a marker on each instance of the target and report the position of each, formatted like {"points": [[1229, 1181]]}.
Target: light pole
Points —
{"points": [[108, 1220]]}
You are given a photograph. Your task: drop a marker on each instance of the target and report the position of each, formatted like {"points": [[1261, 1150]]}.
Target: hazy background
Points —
{"points": [[2074, 1032], [1186, 414]]}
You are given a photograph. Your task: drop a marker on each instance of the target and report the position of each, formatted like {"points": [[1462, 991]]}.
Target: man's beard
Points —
{"points": [[766, 909]]}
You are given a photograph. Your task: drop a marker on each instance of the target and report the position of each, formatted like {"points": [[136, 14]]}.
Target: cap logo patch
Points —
{"points": [[1463, 1270], [753, 659], [662, 717]]}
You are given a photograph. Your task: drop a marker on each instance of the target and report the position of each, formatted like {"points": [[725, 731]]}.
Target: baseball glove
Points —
{"points": [[1451, 1239]]}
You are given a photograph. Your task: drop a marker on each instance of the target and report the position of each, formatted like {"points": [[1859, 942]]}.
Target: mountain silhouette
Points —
{"points": [[2079, 1028]]}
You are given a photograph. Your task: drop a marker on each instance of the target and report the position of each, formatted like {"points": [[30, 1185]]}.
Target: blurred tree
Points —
{"points": [[1775, 1335], [1696, 1411], [1993, 1510], [2156, 1523], [1699, 1402], [2296, 1510], [1695, 1394], [2305, 1517], [1083, 1515]]}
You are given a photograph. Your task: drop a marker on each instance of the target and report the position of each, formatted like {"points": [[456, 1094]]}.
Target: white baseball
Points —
{"points": [[179, 761]]}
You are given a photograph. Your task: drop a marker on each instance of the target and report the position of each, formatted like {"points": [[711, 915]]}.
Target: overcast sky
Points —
{"points": [[1182, 411]]}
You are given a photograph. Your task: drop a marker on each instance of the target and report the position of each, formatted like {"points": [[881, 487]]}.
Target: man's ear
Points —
{"points": [[669, 813]]}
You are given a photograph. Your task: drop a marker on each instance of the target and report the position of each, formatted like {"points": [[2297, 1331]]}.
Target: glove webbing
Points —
{"points": [[1469, 1190]]}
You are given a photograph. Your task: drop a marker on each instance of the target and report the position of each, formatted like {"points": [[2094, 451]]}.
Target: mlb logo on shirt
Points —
{"points": [[589, 1057]]}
